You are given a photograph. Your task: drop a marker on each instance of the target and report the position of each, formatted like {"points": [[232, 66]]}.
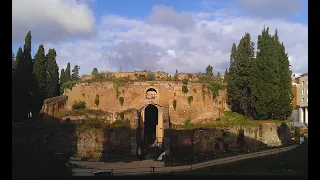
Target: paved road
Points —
{"points": [[144, 167]]}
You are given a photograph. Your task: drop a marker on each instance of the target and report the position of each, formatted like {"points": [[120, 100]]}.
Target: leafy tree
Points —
{"points": [[62, 76], [75, 73], [52, 88], [95, 71], [40, 72], [265, 78], [67, 72], [209, 71]]}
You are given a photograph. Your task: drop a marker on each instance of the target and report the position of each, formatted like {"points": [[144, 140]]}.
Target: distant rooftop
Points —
{"points": [[306, 74]]}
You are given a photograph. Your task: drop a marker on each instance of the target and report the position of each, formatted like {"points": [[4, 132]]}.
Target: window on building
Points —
{"points": [[302, 83], [307, 99], [302, 92], [302, 100]]}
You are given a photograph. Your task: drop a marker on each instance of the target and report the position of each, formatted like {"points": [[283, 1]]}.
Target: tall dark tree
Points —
{"points": [[53, 88], [21, 83], [244, 56], [226, 75], [13, 62], [75, 73], [218, 75], [265, 78], [233, 92], [68, 73], [284, 108], [39, 69], [94, 71], [176, 76], [62, 76], [209, 71]]}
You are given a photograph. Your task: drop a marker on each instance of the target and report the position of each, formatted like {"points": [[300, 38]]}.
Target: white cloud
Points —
{"points": [[158, 42], [51, 20]]}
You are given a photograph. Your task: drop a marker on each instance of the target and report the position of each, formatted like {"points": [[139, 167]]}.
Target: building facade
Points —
{"points": [[300, 99]]}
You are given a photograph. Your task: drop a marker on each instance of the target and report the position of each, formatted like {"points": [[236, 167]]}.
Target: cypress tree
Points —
{"points": [[39, 70], [244, 56], [62, 76], [232, 91], [265, 78], [226, 75], [13, 62], [16, 91], [75, 73], [218, 75], [67, 73], [284, 108], [52, 88], [209, 71], [21, 83]]}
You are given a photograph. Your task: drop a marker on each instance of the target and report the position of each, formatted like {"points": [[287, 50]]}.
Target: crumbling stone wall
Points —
{"points": [[203, 106], [219, 139]]}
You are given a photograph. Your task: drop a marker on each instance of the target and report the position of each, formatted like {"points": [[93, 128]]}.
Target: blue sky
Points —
{"points": [[158, 35]]}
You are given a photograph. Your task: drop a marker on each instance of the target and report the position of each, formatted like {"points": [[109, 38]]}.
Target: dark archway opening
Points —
{"points": [[150, 123]]}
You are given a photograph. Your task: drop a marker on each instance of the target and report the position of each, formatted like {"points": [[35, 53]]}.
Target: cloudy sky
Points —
{"points": [[157, 35]]}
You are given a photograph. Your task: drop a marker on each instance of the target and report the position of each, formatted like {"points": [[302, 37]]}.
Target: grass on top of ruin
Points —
{"points": [[229, 119]]}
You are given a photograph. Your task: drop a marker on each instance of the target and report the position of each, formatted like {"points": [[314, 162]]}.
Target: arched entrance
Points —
{"points": [[150, 123]]}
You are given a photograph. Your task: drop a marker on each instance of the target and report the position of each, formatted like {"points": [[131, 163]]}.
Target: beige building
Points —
{"points": [[300, 99]]}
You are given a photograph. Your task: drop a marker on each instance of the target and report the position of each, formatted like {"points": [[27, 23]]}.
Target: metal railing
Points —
{"points": [[156, 169]]}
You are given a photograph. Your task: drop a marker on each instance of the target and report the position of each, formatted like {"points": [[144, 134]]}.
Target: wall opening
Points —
{"points": [[150, 123]]}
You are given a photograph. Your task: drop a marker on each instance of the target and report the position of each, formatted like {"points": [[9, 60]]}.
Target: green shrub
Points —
{"points": [[174, 103], [188, 123], [150, 76], [121, 124], [190, 99], [121, 115], [185, 89], [215, 87], [78, 105], [68, 85], [185, 81], [96, 101], [121, 100]]}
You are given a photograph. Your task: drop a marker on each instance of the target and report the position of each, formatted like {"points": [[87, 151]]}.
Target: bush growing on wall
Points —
{"points": [[78, 105], [67, 85], [150, 76], [96, 101], [185, 89], [188, 123], [121, 100], [185, 81], [190, 99], [174, 103]]}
